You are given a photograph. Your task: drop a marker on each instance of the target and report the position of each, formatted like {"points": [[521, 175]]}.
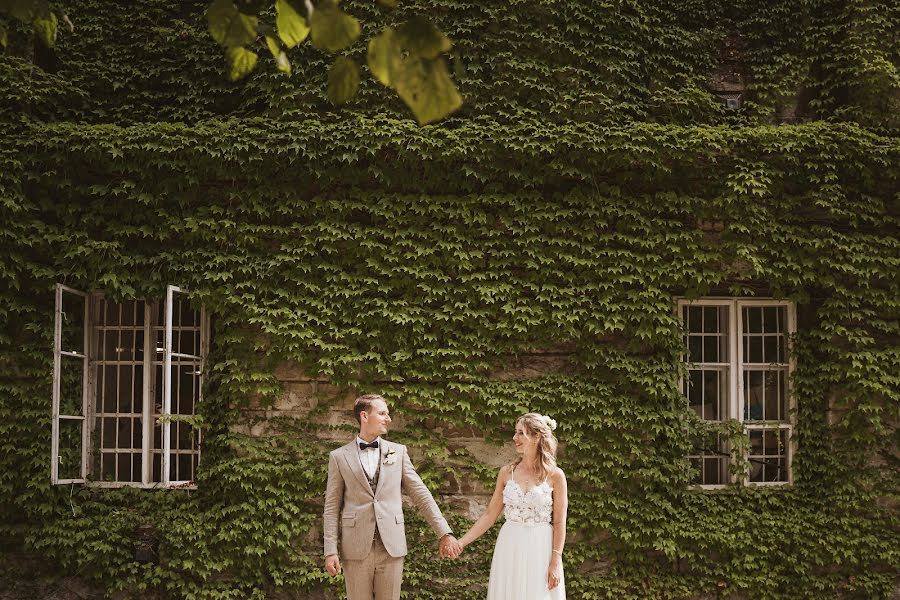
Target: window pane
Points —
{"points": [[693, 318], [695, 349], [128, 313], [108, 467], [136, 467], [109, 388], [710, 461], [125, 349], [126, 389], [713, 394], [70, 443], [184, 468], [124, 466], [752, 319], [72, 323], [111, 313], [108, 433], [71, 385], [188, 389], [712, 349], [694, 391], [775, 408], [754, 395], [711, 319], [754, 353], [156, 474], [768, 455], [770, 349], [124, 429]]}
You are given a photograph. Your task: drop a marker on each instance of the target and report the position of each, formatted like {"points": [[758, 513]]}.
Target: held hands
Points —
{"points": [[450, 547], [332, 564]]}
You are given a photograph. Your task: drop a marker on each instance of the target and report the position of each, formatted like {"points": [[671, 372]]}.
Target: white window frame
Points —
{"points": [[90, 388], [736, 368], [58, 353], [167, 385]]}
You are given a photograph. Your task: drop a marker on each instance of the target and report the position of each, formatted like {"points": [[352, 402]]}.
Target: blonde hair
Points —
{"points": [[537, 425], [364, 404]]}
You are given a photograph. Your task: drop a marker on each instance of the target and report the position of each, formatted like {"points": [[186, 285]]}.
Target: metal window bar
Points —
{"points": [[57, 418], [119, 395]]}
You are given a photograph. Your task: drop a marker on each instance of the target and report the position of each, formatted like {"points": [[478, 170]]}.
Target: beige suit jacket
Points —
{"points": [[351, 509]]}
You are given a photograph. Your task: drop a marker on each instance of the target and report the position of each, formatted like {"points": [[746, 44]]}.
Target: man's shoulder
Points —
{"points": [[394, 445], [341, 449]]}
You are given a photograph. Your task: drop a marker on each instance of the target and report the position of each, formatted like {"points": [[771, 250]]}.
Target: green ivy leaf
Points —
{"points": [[2, 35], [292, 27], [242, 62], [228, 26], [343, 80], [46, 28], [332, 29]]}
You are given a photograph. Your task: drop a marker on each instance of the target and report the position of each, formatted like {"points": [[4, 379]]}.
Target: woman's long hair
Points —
{"points": [[536, 425]]}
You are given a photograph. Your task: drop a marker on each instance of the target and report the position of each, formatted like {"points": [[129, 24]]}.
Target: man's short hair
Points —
{"points": [[364, 403]]}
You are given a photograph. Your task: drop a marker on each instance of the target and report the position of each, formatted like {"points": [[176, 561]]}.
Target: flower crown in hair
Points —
{"points": [[550, 423]]}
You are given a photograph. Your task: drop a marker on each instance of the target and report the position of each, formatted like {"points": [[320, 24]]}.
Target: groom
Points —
{"points": [[365, 479]]}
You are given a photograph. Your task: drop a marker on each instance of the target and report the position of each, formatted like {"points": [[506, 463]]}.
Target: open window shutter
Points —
{"points": [[69, 441], [184, 349]]}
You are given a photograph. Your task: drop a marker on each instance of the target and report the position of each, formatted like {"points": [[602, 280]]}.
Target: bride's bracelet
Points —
{"points": [[557, 551]]}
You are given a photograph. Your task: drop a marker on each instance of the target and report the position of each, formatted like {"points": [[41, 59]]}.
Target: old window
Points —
{"points": [[738, 368], [127, 380]]}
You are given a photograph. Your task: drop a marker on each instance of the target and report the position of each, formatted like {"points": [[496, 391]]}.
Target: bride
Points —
{"points": [[531, 492]]}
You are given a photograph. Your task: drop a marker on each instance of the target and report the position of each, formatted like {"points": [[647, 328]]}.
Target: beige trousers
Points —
{"points": [[376, 576]]}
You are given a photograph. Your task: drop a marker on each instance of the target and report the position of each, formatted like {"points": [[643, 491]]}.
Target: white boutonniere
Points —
{"points": [[389, 457]]}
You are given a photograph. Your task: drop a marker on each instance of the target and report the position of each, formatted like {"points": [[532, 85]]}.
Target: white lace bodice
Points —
{"points": [[532, 507]]}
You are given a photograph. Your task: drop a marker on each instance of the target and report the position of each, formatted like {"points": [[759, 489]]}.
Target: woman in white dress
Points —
{"points": [[532, 495]]}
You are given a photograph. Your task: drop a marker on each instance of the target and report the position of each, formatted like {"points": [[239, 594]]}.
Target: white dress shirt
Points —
{"points": [[368, 458]]}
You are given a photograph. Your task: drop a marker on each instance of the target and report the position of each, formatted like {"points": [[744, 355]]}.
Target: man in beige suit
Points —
{"points": [[365, 481]]}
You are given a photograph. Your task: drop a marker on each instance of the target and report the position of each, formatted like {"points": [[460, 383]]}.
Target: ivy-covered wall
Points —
{"points": [[589, 179]]}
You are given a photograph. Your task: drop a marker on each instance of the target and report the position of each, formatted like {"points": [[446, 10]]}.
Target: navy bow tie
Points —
{"points": [[363, 445]]}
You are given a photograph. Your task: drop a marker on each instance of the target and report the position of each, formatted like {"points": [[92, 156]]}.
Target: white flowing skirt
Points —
{"points": [[521, 560]]}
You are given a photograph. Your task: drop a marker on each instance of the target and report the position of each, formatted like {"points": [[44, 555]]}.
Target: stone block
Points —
{"points": [[297, 396], [531, 366]]}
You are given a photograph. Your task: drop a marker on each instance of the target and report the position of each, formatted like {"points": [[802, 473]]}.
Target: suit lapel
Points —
{"points": [[382, 450], [351, 455]]}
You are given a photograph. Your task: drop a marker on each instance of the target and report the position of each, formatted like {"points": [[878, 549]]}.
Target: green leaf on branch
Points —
{"points": [[2, 35], [383, 51], [332, 29], [242, 62], [408, 60], [281, 59], [292, 27], [45, 28], [272, 45], [282, 62], [427, 89], [228, 26], [343, 80], [419, 37]]}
